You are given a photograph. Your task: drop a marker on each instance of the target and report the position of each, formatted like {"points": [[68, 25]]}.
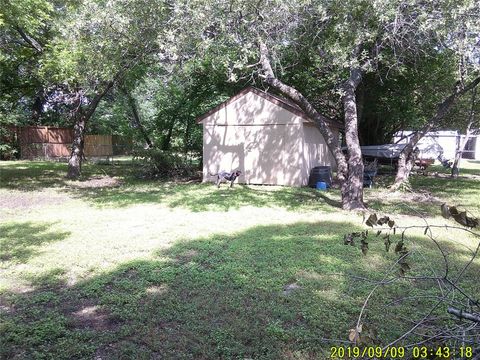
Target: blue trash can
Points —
{"points": [[321, 185], [320, 173]]}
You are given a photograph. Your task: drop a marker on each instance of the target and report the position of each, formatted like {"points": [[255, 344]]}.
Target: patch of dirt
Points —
{"points": [[189, 180], [96, 182], [420, 196], [86, 314], [20, 200], [93, 317], [186, 256], [5, 307], [157, 290], [288, 289]]}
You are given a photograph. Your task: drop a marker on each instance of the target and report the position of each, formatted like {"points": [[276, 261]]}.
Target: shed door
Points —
{"points": [[264, 153]]}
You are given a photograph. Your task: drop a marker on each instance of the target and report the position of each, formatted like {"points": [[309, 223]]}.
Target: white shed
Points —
{"points": [[267, 137]]}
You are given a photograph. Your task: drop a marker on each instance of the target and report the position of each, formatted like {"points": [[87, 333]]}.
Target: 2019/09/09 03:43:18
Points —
{"points": [[417, 352]]}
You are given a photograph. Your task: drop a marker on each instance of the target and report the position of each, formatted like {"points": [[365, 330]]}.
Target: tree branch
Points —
{"points": [[463, 315], [31, 41], [320, 120]]}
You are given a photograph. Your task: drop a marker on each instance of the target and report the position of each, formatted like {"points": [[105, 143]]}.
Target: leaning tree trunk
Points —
{"points": [[406, 156], [136, 118], [352, 194], [352, 188], [463, 142], [81, 120], [458, 154]]}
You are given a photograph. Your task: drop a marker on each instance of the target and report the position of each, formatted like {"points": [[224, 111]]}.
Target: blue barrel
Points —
{"points": [[320, 174], [321, 185]]}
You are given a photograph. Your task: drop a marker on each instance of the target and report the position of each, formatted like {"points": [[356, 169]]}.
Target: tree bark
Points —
{"points": [[187, 136], [352, 188], [463, 142], [352, 197], [37, 108], [167, 139], [406, 158], [406, 161], [76, 156], [137, 124], [30, 40], [81, 119]]}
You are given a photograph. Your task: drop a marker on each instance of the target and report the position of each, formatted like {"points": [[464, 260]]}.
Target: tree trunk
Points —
{"points": [[463, 142], [167, 139], [406, 161], [187, 136], [137, 124], [352, 188], [81, 120], [37, 108], [352, 193], [30, 40], [443, 108], [75, 161]]}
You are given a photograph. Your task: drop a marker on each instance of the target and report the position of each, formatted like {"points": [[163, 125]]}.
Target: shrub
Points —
{"points": [[8, 144], [156, 163]]}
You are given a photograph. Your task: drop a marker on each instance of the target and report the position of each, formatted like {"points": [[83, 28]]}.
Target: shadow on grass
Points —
{"points": [[206, 197], [35, 176], [39, 175], [426, 195], [19, 241], [32, 175], [128, 190], [216, 297]]}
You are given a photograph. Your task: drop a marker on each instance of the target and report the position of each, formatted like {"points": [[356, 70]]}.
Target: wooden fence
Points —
{"points": [[98, 145], [46, 142]]}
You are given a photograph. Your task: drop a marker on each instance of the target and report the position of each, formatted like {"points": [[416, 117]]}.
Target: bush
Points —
{"points": [[158, 163], [8, 144]]}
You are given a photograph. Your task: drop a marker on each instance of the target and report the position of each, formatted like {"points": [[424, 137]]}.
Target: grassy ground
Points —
{"points": [[114, 267]]}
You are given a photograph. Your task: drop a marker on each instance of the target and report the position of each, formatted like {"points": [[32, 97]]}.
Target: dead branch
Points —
{"points": [[463, 315]]}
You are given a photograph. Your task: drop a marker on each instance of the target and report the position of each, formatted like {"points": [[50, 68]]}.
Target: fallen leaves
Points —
{"points": [[460, 217]]}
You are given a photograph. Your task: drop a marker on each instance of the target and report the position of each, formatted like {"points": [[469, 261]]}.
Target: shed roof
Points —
{"points": [[277, 100]]}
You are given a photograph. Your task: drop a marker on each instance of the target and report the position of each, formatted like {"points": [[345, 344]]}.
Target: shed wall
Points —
{"points": [[252, 109], [265, 141], [477, 148], [316, 152]]}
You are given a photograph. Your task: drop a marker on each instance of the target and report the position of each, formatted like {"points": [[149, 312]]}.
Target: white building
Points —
{"points": [[270, 139]]}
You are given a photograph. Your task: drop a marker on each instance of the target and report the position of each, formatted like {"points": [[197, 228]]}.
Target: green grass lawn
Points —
{"points": [[114, 267]]}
